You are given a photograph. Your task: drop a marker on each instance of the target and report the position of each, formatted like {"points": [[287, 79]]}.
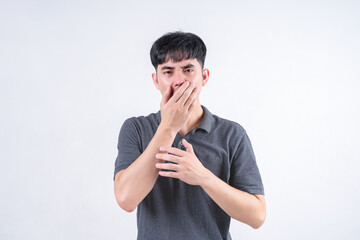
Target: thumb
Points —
{"points": [[188, 146], [166, 96]]}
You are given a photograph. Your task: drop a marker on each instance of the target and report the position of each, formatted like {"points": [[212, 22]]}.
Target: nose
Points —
{"points": [[178, 80]]}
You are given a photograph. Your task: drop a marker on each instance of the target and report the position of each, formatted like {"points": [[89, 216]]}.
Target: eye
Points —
{"points": [[189, 70], [167, 72]]}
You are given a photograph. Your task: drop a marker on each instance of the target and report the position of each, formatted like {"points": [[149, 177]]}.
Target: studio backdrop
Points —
{"points": [[71, 72]]}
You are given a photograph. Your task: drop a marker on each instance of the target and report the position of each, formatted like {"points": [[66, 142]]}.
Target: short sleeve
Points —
{"points": [[245, 173], [129, 145]]}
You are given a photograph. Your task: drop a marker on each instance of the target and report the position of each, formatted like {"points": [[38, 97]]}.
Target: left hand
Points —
{"points": [[186, 165]]}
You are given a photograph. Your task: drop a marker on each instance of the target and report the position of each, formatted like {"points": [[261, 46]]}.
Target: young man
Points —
{"points": [[186, 170]]}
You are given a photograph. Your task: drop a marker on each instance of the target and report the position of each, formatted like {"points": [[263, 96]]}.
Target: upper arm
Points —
{"points": [[129, 146], [245, 174], [118, 175], [262, 202], [261, 198]]}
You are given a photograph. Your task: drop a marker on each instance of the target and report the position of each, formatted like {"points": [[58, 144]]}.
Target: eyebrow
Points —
{"points": [[188, 66], [171, 68]]}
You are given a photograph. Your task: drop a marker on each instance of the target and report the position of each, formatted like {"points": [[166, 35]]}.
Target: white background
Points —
{"points": [[72, 71]]}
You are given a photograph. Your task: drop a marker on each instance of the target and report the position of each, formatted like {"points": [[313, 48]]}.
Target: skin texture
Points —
{"points": [[180, 84]]}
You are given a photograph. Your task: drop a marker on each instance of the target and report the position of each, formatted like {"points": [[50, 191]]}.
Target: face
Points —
{"points": [[174, 74]]}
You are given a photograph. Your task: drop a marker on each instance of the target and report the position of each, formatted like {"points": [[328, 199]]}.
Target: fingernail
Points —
{"points": [[162, 148], [157, 156]]}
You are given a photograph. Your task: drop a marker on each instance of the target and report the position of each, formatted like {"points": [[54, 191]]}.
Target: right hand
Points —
{"points": [[176, 110]]}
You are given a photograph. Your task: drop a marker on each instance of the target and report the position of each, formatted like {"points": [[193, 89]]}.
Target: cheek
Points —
{"points": [[198, 85], [163, 85], [163, 88]]}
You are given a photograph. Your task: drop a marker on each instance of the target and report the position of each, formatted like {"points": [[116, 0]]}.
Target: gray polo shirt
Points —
{"points": [[174, 209]]}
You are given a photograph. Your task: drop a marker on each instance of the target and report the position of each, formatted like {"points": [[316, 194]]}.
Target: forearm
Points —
{"points": [[134, 183], [242, 206]]}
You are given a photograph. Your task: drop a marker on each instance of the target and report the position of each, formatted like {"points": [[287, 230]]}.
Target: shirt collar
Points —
{"points": [[207, 120]]}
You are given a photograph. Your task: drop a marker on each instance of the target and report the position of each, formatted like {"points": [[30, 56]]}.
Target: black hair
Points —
{"points": [[177, 46]]}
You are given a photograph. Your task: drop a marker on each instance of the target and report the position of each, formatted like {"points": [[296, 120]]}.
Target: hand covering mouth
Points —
{"points": [[173, 90]]}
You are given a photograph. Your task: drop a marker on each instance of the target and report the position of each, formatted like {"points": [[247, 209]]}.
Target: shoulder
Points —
{"points": [[227, 126], [229, 134], [151, 118], [142, 123]]}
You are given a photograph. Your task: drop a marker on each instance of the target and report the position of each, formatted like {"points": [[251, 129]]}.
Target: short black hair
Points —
{"points": [[177, 46]]}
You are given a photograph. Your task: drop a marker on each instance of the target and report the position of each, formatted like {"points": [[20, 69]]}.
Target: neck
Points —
{"points": [[194, 121]]}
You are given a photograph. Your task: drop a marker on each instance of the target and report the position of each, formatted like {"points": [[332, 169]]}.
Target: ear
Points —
{"points": [[205, 74], [155, 80]]}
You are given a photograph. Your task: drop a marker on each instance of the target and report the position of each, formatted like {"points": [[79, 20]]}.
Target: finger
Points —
{"points": [[166, 96], [169, 174], [167, 166], [192, 106], [172, 150], [186, 94], [177, 95], [167, 157], [190, 99], [188, 146]]}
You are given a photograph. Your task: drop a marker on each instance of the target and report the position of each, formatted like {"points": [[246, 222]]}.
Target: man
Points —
{"points": [[186, 170]]}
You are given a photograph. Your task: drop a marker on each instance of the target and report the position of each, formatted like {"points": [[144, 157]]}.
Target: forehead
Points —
{"points": [[184, 62]]}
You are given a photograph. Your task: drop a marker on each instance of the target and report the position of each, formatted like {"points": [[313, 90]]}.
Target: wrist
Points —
{"points": [[206, 179], [167, 129]]}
